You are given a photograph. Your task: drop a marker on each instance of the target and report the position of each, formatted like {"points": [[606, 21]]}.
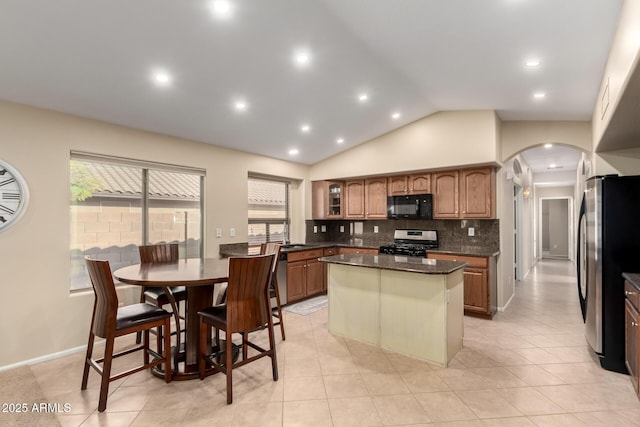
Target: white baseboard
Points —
{"points": [[47, 357], [504, 307]]}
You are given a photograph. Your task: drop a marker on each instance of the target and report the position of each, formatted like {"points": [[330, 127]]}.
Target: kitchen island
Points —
{"points": [[412, 306]]}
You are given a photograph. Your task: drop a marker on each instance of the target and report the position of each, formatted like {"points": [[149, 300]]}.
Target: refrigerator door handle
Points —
{"points": [[578, 264]]}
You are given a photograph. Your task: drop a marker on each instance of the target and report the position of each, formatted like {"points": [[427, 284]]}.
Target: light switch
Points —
{"points": [[472, 231], [375, 229], [323, 228], [315, 228], [342, 228], [218, 232], [232, 232]]}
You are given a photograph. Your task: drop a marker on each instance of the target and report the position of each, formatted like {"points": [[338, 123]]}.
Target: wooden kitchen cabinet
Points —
{"points": [[401, 185], [477, 198], [445, 194], [354, 199], [632, 332], [480, 282], [327, 199], [305, 274], [464, 193], [419, 183], [354, 250], [397, 185], [375, 198], [366, 198]]}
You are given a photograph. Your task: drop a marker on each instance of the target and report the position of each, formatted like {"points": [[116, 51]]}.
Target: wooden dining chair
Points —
{"points": [[274, 292], [109, 322], [159, 254], [247, 309]]}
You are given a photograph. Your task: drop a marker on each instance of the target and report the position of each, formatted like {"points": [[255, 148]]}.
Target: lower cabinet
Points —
{"points": [[480, 284], [306, 276], [632, 332], [352, 250]]}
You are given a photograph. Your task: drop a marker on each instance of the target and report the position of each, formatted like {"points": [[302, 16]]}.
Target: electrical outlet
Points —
{"points": [[218, 232], [323, 228], [315, 228], [232, 232], [471, 231], [342, 228], [375, 229]]}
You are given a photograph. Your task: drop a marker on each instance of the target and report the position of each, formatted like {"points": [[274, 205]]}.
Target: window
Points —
{"points": [[119, 204], [269, 216]]}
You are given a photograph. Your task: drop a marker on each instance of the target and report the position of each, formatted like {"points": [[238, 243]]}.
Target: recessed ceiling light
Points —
{"points": [[240, 105], [221, 8], [539, 95], [293, 152], [363, 97], [532, 63], [340, 140], [548, 145], [305, 128], [553, 166], [162, 78], [395, 116], [302, 58]]}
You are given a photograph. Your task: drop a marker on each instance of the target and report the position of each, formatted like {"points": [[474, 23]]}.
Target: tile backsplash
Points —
{"points": [[450, 232]]}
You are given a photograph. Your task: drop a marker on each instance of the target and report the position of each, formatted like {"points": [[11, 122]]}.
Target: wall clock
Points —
{"points": [[14, 196]]}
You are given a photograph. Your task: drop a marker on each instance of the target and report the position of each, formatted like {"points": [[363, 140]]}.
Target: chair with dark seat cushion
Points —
{"points": [[109, 322], [274, 292], [158, 254], [247, 309]]}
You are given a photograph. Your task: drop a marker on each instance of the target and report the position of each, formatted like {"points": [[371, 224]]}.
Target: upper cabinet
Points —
{"points": [[445, 194], [401, 185], [457, 194], [375, 199], [419, 183], [397, 185], [465, 193], [354, 199], [366, 198], [328, 199], [477, 195]]}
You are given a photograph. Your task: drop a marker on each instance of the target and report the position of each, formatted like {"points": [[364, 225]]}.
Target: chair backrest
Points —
{"points": [[106, 304], [271, 249], [161, 253], [247, 292]]}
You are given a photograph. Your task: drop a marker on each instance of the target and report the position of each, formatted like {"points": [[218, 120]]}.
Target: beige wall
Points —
{"points": [[623, 57], [621, 162], [34, 254], [517, 136], [424, 144]]}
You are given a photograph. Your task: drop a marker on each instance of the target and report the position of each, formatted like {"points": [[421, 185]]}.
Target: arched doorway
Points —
{"points": [[543, 172]]}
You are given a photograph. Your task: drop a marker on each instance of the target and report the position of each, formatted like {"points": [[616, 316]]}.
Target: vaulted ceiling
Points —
{"points": [[236, 78]]}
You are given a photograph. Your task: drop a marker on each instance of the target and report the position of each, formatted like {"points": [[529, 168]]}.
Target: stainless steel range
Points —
{"points": [[411, 242]]}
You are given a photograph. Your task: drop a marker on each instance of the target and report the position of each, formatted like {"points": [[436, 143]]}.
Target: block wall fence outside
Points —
{"points": [[113, 233]]}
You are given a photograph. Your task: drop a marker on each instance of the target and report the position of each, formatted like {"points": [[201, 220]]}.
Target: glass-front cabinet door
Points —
{"points": [[335, 200]]}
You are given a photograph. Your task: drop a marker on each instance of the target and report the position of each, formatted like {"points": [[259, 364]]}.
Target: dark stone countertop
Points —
{"points": [[467, 250], [395, 262], [241, 249], [633, 278]]}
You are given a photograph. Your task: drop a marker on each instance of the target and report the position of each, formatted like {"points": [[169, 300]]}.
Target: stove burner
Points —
{"points": [[411, 243]]}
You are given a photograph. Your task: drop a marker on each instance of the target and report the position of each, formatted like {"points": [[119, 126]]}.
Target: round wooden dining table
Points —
{"points": [[199, 276]]}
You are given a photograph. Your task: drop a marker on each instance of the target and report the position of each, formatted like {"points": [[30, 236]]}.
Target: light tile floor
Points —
{"points": [[529, 366]]}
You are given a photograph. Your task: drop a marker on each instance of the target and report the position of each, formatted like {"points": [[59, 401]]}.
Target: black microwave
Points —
{"points": [[414, 206]]}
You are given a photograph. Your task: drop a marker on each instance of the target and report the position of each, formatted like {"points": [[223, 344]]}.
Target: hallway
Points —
{"points": [[530, 366]]}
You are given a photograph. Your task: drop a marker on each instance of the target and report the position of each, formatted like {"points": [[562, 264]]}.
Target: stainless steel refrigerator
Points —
{"points": [[608, 245]]}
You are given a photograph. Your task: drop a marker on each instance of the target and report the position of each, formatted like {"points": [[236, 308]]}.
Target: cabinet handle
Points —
{"points": [[629, 293], [634, 324]]}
